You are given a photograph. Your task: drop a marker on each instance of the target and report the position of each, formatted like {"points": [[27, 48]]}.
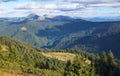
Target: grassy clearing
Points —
{"points": [[60, 56], [14, 73]]}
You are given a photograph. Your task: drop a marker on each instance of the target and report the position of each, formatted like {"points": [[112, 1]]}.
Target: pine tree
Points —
{"points": [[69, 69], [111, 58], [104, 58], [111, 63]]}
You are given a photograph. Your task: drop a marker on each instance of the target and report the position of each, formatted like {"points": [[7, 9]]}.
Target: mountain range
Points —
{"points": [[63, 32], [103, 19]]}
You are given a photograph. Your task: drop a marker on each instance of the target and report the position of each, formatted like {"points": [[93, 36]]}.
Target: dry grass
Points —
{"points": [[60, 56], [3, 73], [4, 48]]}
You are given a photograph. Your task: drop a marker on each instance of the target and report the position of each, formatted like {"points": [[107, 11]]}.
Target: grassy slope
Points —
{"points": [[60, 56], [63, 56], [4, 72]]}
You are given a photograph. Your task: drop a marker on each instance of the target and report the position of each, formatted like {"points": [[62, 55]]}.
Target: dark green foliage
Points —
{"points": [[79, 68], [103, 65], [106, 65]]}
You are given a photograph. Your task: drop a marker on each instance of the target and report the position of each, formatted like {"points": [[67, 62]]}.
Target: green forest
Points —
{"points": [[17, 55]]}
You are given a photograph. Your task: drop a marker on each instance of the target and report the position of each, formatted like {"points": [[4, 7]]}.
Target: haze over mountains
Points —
{"points": [[62, 32], [103, 19], [36, 17], [46, 17]]}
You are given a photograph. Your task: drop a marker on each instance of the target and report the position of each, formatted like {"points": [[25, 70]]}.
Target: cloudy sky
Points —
{"points": [[74, 8]]}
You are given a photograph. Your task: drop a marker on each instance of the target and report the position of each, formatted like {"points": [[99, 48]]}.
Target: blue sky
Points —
{"points": [[73, 8]]}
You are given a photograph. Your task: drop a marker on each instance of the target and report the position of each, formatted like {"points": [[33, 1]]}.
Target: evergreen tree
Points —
{"points": [[111, 63], [69, 69], [111, 58]]}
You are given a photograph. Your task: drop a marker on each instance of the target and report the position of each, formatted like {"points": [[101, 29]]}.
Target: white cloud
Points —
{"points": [[84, 1], [105, 5], [59, 6], [81, 8], [70, 6], [2, 8], [27, 5], [33, 5], [92, 1]]}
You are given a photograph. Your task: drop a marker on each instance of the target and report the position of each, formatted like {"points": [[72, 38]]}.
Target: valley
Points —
{"points": [[63, 32]]}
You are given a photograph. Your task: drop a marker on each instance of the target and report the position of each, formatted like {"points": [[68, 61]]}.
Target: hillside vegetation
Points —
{"points": [[13, 73], [16, 55], [18, 58]]}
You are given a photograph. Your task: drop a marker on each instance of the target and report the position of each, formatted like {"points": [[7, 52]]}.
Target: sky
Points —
{"points": [[73, 8]]}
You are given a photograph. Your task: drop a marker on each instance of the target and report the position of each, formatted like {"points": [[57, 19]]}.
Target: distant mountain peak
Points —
{"points": [[33, 15], [47, 17]]}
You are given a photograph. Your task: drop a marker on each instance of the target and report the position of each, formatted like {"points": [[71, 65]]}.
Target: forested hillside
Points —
{"points": [[16, 56]]}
